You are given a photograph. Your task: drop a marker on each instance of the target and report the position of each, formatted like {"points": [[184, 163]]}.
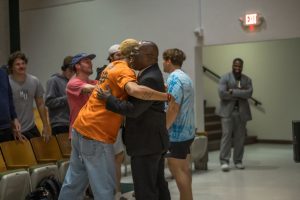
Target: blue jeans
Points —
{"points": [[91, 162]]}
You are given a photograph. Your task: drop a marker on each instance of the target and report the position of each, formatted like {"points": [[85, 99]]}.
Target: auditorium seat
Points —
{"points": [[2, 163], [199, 152], [63, 166], [39, 172], [14, 184], [18, 154], [46, 152], [37, 120], [64, 144]]}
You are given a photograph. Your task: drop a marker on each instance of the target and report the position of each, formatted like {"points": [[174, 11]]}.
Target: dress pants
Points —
{"points": [[233, 130], [149, 177]]}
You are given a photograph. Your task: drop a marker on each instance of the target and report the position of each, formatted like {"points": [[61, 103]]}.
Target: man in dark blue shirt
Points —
{"points": [[10, 127]]}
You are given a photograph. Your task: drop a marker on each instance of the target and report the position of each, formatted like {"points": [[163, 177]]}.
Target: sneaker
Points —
{"points": [[239, 166], [225, 167], [118, 196]]}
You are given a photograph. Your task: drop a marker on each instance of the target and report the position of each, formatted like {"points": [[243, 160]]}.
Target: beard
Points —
{"points": [[237, 75]]}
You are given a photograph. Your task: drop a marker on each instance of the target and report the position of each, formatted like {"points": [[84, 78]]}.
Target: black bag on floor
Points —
{"points": [[52, 185], [39, 194], [47, 189]]}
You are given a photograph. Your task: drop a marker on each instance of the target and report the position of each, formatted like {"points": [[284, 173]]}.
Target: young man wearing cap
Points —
{"points": [[26, 89], [56, 98], [113, 55], [79, 87], [95, 130]]}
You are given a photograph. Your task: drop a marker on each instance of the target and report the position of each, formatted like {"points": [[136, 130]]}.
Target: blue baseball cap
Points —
{"points": [[81, 56]]}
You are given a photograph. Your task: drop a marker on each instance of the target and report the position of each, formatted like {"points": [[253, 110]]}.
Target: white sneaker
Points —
{"points": [[225, 167], [239, 166], [118, 196]]}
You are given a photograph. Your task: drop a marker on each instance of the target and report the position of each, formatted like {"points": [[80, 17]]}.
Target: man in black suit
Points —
{"points": [[146, 137]]}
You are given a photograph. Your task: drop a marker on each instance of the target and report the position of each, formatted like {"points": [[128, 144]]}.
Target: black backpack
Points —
{"points": [[52, 185], [39, 193], [47, 189]]}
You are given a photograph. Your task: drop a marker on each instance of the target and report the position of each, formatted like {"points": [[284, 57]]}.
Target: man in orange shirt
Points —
{"points": [[95, 130]]}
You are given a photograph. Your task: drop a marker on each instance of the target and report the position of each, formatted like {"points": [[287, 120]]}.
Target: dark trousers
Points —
{"points": [[60, 129], [31, 133], [149, 177], [6, 135]]}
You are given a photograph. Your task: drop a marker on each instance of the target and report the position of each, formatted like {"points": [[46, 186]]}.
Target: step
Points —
{"points": [[211, 117], [209, 110], [214, 135], [215, 144], [210, 126]]}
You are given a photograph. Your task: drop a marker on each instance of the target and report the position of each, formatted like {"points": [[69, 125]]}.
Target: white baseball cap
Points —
{"points": [[113, 49]]}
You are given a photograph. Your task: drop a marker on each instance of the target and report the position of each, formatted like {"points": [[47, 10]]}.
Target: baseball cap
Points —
{"points": [[113, 49], [81, 56], [128, 46]]}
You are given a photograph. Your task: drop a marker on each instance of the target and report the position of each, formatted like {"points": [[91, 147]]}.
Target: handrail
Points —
{"points": [[205, 69]]}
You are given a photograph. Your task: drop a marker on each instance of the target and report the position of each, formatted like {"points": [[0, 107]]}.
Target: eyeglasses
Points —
{"points": [[135, 51]]}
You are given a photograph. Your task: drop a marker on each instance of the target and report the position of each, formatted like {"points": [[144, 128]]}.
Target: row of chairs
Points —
{"points": [[23, 165]]}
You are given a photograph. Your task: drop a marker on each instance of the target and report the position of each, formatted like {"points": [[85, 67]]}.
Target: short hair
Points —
{"points": [[238, 59], [12, 57], [67, 63], [176, 56]]}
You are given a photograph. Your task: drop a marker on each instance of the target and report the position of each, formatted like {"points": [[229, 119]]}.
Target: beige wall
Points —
{"points": [[52, 29], [52, 32], [275, 72]]}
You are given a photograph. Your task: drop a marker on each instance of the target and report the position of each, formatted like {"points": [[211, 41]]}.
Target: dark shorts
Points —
{"points": [[33, 132], [60, 129], [179, 150]]}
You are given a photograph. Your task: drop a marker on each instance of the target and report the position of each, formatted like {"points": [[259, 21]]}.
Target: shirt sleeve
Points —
{"points": [[75, 87], [175, 88], [124, 77], [52, 100], [39, 90]]}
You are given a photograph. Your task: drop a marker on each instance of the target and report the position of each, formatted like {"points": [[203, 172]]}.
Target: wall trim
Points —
{"points": [[267, 141]]}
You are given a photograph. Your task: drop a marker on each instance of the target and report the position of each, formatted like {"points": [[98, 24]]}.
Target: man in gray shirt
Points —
{"points": [[26, 88], [56, 98]]}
